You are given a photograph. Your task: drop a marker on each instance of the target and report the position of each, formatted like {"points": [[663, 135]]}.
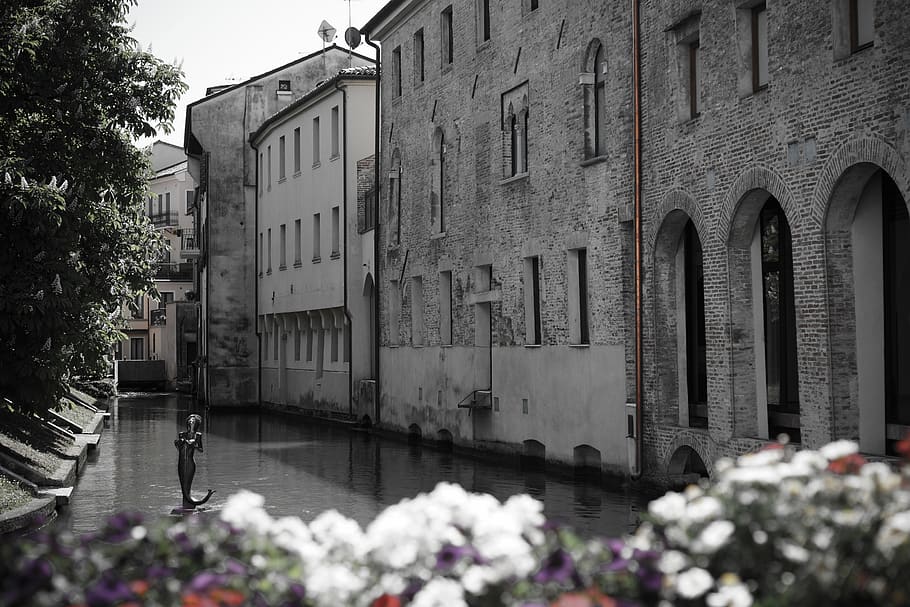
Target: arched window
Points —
{"points": [[593, 79], [781, 375], [693, 281], [512, 125]]}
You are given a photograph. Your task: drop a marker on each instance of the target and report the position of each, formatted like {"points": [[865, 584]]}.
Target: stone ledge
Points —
{"points": [[38, 510]]}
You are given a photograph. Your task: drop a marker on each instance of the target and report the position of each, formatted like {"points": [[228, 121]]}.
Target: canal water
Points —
{"points": [[302, 468]]}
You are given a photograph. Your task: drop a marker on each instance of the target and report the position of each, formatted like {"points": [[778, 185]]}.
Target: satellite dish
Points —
{"points": [[326, 31], [352, 37]]}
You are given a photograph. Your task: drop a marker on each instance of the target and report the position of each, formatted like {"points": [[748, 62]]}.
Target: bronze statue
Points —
{"points": [[187, 442]]}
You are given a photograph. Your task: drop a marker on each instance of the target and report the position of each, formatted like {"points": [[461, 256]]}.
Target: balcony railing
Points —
{"points": [[163, 218], [158, 317], [174, 271], [189, 246]]}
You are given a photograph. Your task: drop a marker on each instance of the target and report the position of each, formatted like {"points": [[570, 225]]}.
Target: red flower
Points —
{"points": [[903, 446], [227, 598], [386, 600], [849, 464], [591, 598], [139, 587]]}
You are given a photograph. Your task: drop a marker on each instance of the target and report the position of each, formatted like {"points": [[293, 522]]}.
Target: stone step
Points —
{"points": [[61, 494]]}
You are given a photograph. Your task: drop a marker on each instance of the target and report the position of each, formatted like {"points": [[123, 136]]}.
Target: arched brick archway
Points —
{"points": [[688, 449]]}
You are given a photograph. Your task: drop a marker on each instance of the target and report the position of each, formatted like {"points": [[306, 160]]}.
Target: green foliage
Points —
{"points": [[75, 90]]}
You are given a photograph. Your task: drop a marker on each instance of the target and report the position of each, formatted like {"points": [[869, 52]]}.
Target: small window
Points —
{"points": [[533, 5], [296, 344], [445, 308], [296, 242], [336, 232], [316, 232], [578, 297], [261, 173], [284, 86], [316, 141], [417, 319], [297, 150], [190, 201], [261, 259], [137, 348], [438, 193], [309, 344], [448, 44], [418, 57], [532, 301], [483, 21], [334, 344], [694, 79], [281, 172], [282, 257], [335, 132], [594, 82], [269, 269], [862, 24], [269, 167], [759, 47], [396, 71]]}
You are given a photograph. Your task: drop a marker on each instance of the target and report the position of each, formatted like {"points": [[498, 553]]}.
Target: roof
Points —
{"points": [[363, 72], [390, 7], [189, 143]]}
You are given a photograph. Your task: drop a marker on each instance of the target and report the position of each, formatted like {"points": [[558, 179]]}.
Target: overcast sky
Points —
{"points": [[220, 41]]}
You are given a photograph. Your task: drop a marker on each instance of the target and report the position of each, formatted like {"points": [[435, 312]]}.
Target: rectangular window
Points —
{"points": [[269, 268], [137, 348], [862, 24], [261, 259], [316, 141], [269, 167], [418, 57], [396, 71], [167, 204], [578, 296], [138, 306], [261, 173], [532, 301], [190, 201], [394, 313], [296, 344], [694, 79], [296, 242], [282, 252], [417, 320], [281, 171], [334, 345], [309, 345], [297, 150], [320, 352], [759, 47], [483, 20], [446, 35], [534, 4], [445, 308], [316, 231], [336, 126], [336, 232]]}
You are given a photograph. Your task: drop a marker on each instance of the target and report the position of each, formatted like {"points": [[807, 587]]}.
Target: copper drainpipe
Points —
{"points": [[636, 193]]}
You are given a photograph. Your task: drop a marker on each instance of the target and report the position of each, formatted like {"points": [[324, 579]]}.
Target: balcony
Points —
{"points": [[159, 317], [174, 271], [189, 246], [161, 219]]}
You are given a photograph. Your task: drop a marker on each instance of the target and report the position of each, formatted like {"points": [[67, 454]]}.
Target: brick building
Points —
{"points": [[774, 229], [505, 238], [775, 178]]}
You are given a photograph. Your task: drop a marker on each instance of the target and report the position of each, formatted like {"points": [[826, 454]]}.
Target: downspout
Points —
{"points": [[256, 280], [208, 282], [376, 226], [344, 242], [636, 192]]}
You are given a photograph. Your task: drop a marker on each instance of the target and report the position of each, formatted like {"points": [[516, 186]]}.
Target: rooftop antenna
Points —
{"points": [[351, 36], [327, 33]]}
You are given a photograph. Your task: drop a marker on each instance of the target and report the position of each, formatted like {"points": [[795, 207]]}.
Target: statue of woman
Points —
{"points": [[187, 442]]}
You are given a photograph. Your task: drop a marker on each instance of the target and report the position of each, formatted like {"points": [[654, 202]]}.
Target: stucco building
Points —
{"points": [[773, 233], [315, 253], [224, 163], [505, 237]]}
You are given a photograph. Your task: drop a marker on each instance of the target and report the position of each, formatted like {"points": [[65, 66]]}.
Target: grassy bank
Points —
{"points": [[11, 496]]}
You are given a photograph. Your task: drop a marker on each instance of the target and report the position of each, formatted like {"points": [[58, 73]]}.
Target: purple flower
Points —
{"points": [[298, 590], [107, 591], [450, 555], [650, 579], [155, 572], [234, 567], [411, 590], [617, 564], [558, 567], [205, 580], [616, 546]]}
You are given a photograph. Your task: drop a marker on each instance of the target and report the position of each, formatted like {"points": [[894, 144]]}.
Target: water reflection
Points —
{"points": [[303, 468]]}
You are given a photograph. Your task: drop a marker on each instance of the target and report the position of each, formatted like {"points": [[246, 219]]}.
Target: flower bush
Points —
{"points": [[777, 527]]}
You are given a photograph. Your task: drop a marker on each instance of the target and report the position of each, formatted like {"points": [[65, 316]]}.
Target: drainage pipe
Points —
{"points": [[376, 227], [636, 152]]}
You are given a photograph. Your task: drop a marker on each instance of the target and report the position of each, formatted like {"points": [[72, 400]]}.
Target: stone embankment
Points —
{"points": [[49, 480]]}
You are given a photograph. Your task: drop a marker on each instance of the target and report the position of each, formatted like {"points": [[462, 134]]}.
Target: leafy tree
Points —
{"points": [[75, 243]]}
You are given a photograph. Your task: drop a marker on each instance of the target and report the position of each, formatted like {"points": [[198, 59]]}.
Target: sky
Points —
{"points": [[225, 41]]}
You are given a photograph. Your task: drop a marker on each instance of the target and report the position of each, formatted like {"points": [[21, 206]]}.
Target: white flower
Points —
{"points": [[764, 457], [839, 449], [334, 584], [703, 509], [440, 592], [792, 552], [812, 461], [713, 537], [732, 595], [138, 532], [244, 510], [334, 530], [668, 508], [882, 475], [895, 532], [672, 561], [693, 583]]}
